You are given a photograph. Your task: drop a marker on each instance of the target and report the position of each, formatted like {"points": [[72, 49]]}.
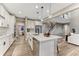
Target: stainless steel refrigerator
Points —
{"points": [[38, 29]]}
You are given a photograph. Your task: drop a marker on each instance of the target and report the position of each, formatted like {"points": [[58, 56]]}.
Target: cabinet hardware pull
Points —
{"points": [[4, 43]]}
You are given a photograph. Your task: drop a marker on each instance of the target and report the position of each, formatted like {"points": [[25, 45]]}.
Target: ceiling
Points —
{"points": [[29, 9]]}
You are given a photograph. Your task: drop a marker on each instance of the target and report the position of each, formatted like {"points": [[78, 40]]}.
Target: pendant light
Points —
{"points": [[42, 7], [50, 15]]}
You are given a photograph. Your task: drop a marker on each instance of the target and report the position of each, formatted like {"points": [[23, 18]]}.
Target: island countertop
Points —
{"points": [[42, 38]]}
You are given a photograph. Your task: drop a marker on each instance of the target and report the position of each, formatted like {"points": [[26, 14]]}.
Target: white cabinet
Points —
{"points": [[7, 39], [38, 23], [1, 47], [30, 24], [46, 48], [5, 43], [11, 24], [7, 17], [1, 21], [4, 16], [1, 10], [11, 39]]}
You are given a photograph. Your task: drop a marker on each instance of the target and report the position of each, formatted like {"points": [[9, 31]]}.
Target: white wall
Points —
{"points": [[58, 29], [75, 20]]}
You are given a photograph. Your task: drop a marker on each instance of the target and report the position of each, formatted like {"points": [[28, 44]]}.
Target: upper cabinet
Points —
{"points": [[4, 16], [38, 23], [30, 24]]}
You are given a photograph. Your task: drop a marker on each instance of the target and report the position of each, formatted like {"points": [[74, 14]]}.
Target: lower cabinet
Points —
{"points": [[11, 39], [30, 41], [5, 43], [1, 47], [35, 47], [45, 48]]}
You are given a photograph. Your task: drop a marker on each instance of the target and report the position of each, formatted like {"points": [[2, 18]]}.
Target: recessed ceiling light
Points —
{"points": [[47, 11], [20, 12], [36, 6]]}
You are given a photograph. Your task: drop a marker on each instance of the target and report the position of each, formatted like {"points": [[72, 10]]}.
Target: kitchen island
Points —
{"points": [[45, 46]]}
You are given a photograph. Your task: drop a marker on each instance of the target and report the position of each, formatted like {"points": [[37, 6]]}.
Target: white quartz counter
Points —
{"points": [[41, 37]]}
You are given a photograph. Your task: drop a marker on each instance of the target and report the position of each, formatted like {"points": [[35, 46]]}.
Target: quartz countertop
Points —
{"points": [[41, 37]]}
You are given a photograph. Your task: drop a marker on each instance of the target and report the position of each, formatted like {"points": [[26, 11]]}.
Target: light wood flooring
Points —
{"points": [[67, 49], [21, 48]]}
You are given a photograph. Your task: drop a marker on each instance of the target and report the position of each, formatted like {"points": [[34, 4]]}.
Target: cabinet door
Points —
{"points": [[38, 23], [30, 24], [11, 39], [1, 22], [3, 16], [1, 47], [5, 44], [6, 41], [6, 19], [35, 47], [2, 11]]}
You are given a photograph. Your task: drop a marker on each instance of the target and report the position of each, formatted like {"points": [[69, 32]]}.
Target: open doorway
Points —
{"points": [[20, 27]]}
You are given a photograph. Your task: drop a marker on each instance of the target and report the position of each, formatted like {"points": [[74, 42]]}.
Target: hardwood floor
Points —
{"points": [[21, 48], [67, 49]]}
